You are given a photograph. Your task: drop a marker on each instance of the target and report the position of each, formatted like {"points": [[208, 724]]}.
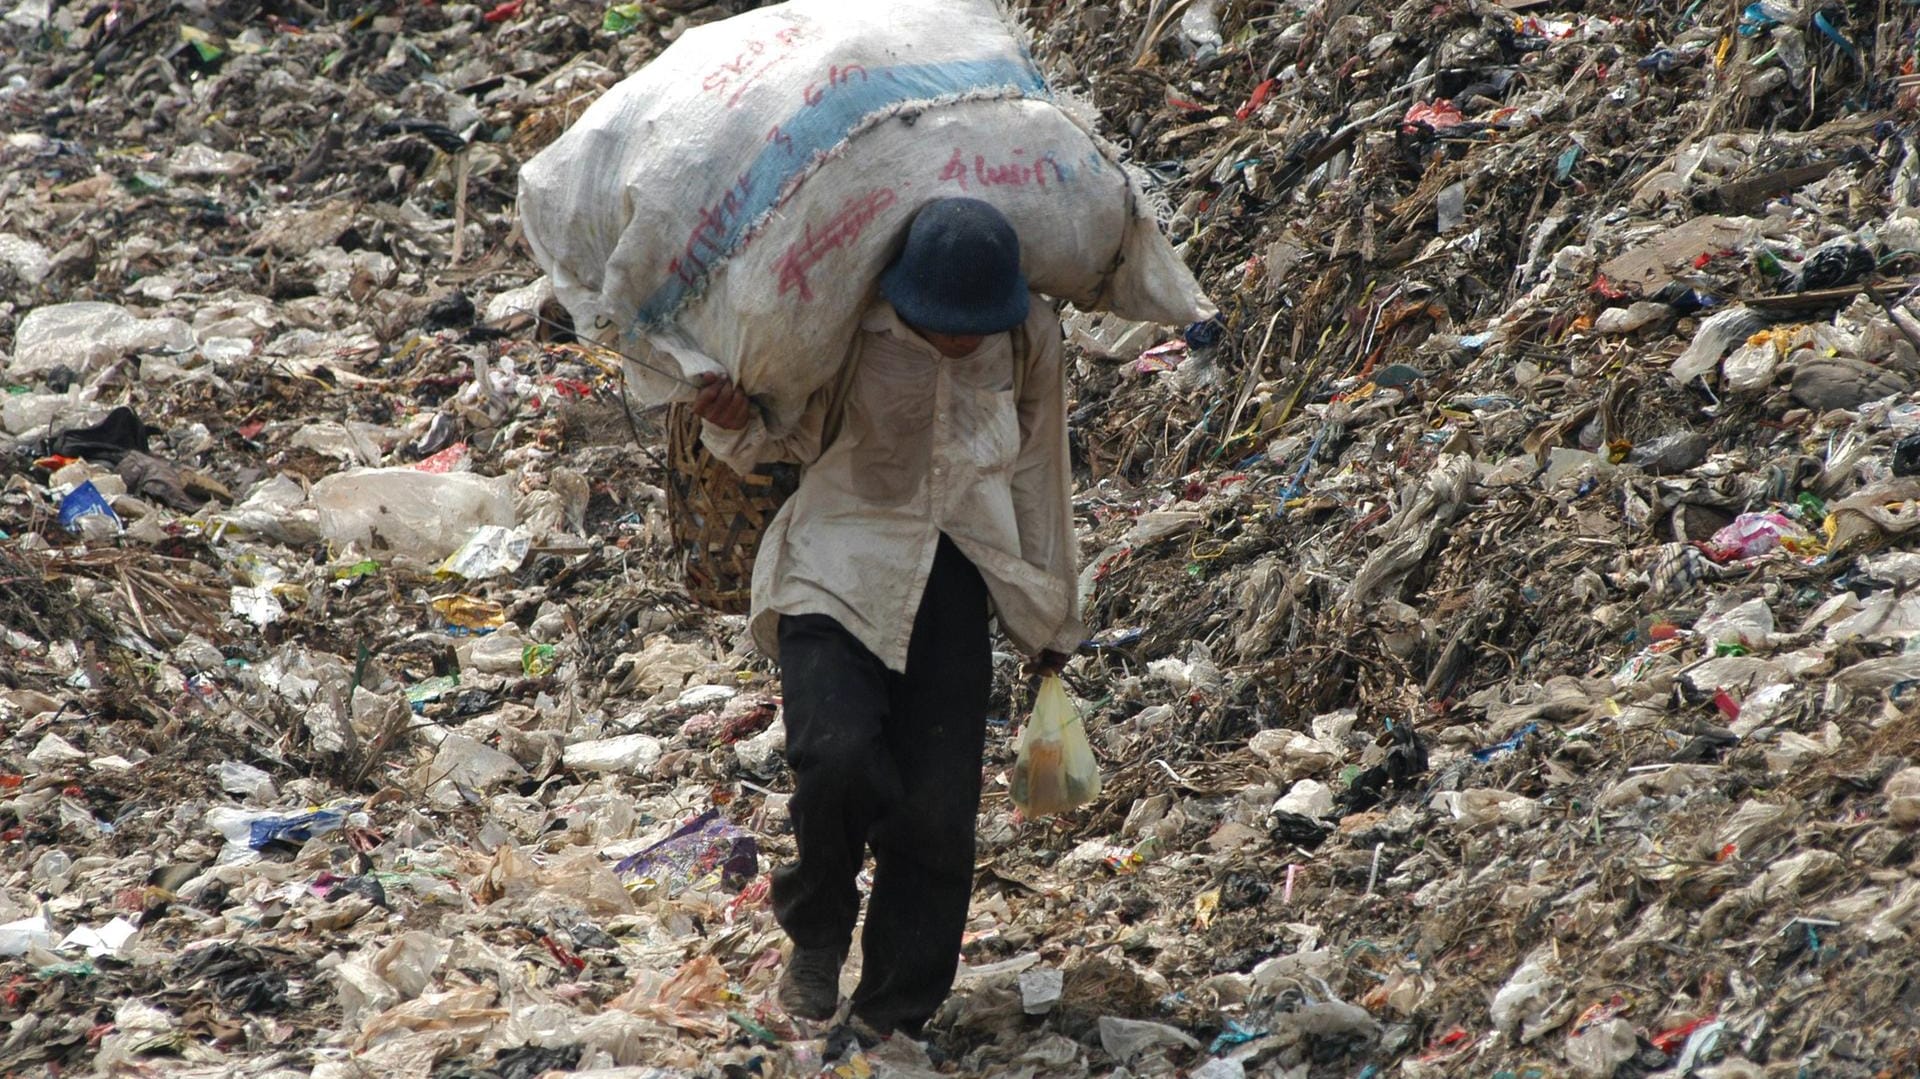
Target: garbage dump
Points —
{"points": [[1502, 613]]}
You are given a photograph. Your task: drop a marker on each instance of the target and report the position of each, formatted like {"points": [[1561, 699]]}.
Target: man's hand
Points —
{"points": [[721, 403]]}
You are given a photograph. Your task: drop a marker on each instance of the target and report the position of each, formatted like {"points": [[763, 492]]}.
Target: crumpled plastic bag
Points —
{"points": [[1054, 770], [706, 852]]}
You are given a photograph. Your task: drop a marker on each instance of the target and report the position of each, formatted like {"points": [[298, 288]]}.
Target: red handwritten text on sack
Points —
{"points": [[757, 57], [837, 77], [841, 231], [709, 233], [1039, 172]]}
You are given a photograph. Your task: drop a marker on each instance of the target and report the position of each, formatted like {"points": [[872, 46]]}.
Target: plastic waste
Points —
{"points": [[29, 261], [257, 830], [1125, 1039], [1473, 809], [1054, 770], [244, 780], [20, 935], [470, 613], [1040, 989], [503, 652], [423, 515], [86, 335], [489, 552], [109, 939], [1749, 624], [52, 753], [1752, 535], [51, 867], [1200, 30], [539, 660], [1636, 316], [1714, 339], [463, 762], [628, 754], [1525, 1002], [1600, 1049], [705, 853], [86, 510]]}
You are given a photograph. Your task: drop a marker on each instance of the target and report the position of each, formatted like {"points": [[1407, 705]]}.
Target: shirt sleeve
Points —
{"points": [[1043, 473], [757, 444]]}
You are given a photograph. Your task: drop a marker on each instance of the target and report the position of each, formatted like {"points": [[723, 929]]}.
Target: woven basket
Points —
{"points": [[718, 515]]}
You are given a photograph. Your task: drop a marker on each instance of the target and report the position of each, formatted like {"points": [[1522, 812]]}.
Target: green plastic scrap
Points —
{"points": [[756, 1031], [432, 689], [202, 43], [622, 18], [79, 969], [539, 660]]}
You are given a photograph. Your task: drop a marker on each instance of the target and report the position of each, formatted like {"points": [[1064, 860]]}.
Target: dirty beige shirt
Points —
{"points": [[926, 445]]}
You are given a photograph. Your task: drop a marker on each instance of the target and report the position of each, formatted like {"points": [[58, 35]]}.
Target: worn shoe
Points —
{"points": [[810, 986]]}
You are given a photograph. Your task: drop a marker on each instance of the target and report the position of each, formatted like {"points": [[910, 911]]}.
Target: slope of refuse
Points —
{"points": [[1503, 614]]}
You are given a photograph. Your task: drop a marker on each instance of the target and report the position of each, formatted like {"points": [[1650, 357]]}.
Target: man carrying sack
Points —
{"points": [[936, 493]]}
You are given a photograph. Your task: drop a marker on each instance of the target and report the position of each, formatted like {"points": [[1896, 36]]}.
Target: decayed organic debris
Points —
{"points": [[1504, 612]]}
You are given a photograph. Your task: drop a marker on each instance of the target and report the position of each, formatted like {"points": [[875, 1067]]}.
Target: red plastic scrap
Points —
{"points": [[1599, 1013], [1439, 115], [1260, 95], [445, 461], [1446, 1045], [504, 12], [1727, 705], [567, 959], [1668, 1041]]}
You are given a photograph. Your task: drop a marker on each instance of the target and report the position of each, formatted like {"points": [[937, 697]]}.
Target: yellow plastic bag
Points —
{"points": [[1055, 770]]}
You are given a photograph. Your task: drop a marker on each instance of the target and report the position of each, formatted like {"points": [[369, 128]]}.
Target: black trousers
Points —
{"points": [[892, 760]]}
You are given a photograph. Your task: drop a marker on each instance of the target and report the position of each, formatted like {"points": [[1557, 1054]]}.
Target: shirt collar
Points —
{"points": [[883, 319]]}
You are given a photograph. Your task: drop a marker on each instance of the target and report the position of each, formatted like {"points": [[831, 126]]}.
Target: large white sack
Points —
{"points": [[730, 206]]}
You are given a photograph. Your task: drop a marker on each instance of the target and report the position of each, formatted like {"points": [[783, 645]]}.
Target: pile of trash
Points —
{"points": [[1504, 622]]}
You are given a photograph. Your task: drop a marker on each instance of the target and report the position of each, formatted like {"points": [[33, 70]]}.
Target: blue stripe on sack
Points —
{"points": [[811, 131]]}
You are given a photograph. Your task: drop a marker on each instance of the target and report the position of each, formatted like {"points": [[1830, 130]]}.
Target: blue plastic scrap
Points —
{"points": [[1203, 335], [1115, 637], [300, 828], [1507, 746], [1236, 1033], [82, 502]]}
